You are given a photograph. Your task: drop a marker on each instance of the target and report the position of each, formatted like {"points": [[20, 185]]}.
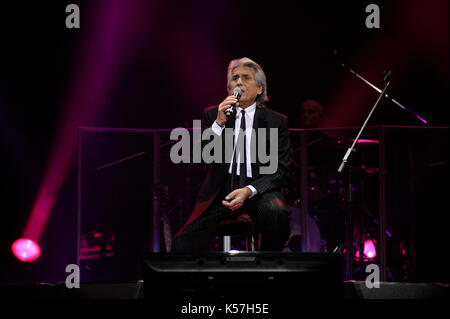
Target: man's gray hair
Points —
{"points": [[260, 76]]}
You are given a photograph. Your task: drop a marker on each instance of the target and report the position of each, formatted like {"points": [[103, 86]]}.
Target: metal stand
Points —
{"points": [[336, 54], [386, 77]]}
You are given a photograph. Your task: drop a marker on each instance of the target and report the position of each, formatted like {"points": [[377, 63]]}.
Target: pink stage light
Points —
{"points": [[101, 57], [26, 250], [369, 249]]}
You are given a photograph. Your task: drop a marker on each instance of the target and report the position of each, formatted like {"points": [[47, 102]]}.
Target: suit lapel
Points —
{"points": [[259, 121], [229, 124], [260, 118]]}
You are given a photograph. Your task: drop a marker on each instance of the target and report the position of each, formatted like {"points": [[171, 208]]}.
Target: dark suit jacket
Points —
{"points": [[217, 172]]}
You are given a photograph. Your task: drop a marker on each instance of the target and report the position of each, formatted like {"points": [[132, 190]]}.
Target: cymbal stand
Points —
{"points": [[345, 159]]}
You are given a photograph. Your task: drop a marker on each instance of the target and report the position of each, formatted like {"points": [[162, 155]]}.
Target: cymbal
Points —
{"points": [[367, 169], [361, 142]]}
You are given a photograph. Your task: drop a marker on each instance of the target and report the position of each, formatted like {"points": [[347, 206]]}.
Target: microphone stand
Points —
{"points": [[386, 79], [379, 91]]}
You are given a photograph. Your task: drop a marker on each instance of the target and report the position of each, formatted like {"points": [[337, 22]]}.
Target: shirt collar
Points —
{"points": [[249, 110]]}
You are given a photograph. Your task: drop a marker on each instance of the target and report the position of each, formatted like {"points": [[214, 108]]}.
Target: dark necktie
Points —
{"points": [[241, 148]]}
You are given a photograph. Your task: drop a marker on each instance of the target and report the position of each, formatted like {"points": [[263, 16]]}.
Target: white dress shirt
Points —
{"points": [[249, 116]]}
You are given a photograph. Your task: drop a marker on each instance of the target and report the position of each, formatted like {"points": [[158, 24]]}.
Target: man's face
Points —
{"points": [[244, 78], [310, 115]]}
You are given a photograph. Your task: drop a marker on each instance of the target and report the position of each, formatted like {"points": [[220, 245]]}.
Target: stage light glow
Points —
{"points": [[369, 249], [101, 55], [26, 250], [366, 141]]}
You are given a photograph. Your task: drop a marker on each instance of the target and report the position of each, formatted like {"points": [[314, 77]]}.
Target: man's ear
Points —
{"points": [[260, 89]]}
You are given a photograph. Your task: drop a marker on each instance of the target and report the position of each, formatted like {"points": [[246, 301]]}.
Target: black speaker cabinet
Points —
{"points": [[239, 283]]}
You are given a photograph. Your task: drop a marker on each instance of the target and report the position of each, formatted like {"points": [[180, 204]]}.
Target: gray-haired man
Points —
{"points": [[235, 185]]}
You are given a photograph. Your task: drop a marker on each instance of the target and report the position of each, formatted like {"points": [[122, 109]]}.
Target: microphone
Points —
{"points": [[237, 92]]}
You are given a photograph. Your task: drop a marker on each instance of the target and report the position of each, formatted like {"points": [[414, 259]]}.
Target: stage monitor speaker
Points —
{"points": [[180, 282]]}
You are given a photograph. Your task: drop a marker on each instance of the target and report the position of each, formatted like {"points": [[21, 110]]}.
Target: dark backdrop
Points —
{"points": [[171, 62]]}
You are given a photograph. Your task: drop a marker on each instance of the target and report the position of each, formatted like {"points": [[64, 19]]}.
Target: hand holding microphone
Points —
{"points": [[237, 92], [226, 108]]}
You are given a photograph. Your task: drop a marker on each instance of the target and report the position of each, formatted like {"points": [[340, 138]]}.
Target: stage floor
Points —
{"points": [[135, 291]]}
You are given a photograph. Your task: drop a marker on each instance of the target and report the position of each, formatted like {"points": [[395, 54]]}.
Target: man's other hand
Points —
{"points": [[236, 198]]}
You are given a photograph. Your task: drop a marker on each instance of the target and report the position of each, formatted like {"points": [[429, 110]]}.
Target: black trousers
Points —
{"points": [[268, 210]]}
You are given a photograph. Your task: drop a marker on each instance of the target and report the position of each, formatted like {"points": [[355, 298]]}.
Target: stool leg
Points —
{"points": [[251, 239], [226, 243], [251, 242]]}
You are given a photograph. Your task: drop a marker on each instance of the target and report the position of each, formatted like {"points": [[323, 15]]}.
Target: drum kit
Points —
{"points": [[326, 219]]}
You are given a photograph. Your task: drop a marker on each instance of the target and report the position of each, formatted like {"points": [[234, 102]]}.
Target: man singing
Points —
{"points": [[238, 184]]}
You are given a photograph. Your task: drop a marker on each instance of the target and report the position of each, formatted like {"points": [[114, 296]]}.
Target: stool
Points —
{"points": [[242, 224]]}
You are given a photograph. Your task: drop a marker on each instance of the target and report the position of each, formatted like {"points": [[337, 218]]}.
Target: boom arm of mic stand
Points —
{"points": [[386, 95], [351, 148]]}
